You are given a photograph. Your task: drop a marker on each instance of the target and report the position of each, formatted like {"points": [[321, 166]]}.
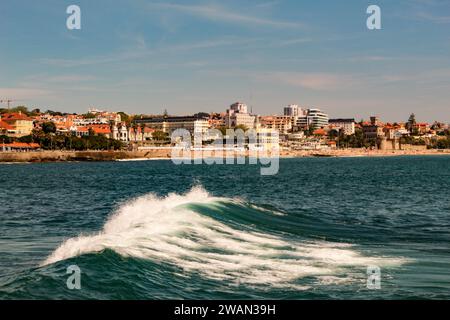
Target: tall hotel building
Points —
{"points": [[292, 110], [238, 115], [313, 118]]}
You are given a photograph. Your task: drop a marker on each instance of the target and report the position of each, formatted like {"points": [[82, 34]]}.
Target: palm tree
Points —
{"points": [[143, 131], [135, 127]]}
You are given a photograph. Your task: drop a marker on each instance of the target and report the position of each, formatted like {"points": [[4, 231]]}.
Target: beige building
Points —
{"points": [[267, 139], [283, 124], [141, 134], [238, 115], [374, 129], [20, 125], [194, 124], [347, 126]]}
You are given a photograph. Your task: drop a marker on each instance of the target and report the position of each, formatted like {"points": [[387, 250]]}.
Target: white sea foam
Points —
{"points": [[164, 230]]}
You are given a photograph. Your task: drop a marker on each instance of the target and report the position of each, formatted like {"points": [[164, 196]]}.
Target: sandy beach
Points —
{"points": [[94, 156]]}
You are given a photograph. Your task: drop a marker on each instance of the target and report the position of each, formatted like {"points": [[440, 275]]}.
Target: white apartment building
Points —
{"points": [[194, 124], [238, 115], [313, 118], [347, 126], [291, 110]]}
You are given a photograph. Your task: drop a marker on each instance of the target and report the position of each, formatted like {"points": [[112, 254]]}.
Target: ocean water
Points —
{"points": [[153, 230]]}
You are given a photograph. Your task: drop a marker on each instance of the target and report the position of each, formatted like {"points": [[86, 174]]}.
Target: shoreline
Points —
{"points": [[155, 155], [359, 153]]}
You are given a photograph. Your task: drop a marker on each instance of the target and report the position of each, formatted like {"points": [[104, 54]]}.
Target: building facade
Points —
{"points": [[17, 124], [374, 129], [238, 115], [313, 118], [292, 110], [283, 124], [346, 126], [194, 124]]}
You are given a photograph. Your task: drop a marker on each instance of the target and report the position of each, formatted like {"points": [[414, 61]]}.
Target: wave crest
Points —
{"points": [[167, 230]]}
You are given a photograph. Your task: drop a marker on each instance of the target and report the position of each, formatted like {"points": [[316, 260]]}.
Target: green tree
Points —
{"points": [[333, 134], [5, 139], [143, 126], [89, 116], [26, 139], [21, 109], [310, 131], [35, 112], [54, 113], [18, 109], [411, 124], [124, 117], [48, 127]]}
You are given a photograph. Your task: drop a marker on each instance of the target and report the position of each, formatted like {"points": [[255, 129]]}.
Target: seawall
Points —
{"points": [[56, 156]]}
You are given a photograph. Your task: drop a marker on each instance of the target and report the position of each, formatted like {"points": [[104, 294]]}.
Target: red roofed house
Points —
{"points": [[5, 128], [422, 128], [139, 135], [320, 132], [20, 124], [80, 131], [374, 129], [98, 130], [20, 146]]}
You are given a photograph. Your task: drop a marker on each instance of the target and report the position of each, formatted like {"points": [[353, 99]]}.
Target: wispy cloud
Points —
{"points": [[23, 92], [318, 81], [433, 18], [219, 13], [268, 4], [58, 79], [428, 11], [426, 77], [140, 52], [312, 81], [292, 42], [372, 58], [87, 61]]}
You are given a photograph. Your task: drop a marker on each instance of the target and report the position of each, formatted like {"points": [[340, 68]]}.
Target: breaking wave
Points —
{"points": [[176, 230]]}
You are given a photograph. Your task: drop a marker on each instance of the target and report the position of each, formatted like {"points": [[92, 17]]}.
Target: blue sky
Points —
{"points": [[188, 56]]}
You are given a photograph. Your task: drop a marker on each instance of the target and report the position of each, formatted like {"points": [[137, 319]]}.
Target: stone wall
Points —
{"points": [[52, 156]]}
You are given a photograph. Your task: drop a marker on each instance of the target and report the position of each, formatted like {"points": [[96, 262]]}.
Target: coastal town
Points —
{"points": [[301, 130]]}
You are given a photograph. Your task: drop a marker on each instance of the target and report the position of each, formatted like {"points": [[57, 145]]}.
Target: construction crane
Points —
{"points": [[8, 102]]}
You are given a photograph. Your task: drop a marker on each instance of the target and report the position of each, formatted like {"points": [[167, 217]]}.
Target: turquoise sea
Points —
{"points": [[153, 230]]}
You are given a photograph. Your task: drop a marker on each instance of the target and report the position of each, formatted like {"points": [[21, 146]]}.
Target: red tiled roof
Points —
{"points": [[14, 116], [138, 130], [22, 145], [319, 132], [98, 129], [82, 129], [4, 125], [101, 129]]}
